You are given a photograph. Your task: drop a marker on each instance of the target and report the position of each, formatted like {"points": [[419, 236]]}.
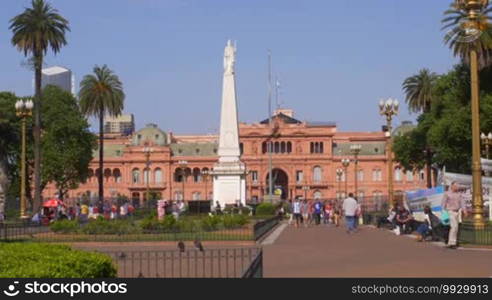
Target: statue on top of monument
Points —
{"points": [[229, 57]]}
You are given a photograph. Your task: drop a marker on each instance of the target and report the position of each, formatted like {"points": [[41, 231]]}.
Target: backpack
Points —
{"points": [[317, 207]]}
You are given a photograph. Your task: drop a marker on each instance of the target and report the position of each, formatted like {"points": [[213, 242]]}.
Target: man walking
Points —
{"points": [[296, 210], [350, 210], [318, 207], [454, 204]]}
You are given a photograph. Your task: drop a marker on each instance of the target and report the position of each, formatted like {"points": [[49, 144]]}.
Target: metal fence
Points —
{"points": [[468, 234], [36, 232], [262, 227], [209, 263]]}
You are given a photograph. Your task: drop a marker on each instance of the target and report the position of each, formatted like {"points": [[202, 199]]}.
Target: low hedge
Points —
{"points": [[103, 226], [64, 226], [208, 223], [98, 226], [150, 224], [38, 260], [265, 209]]}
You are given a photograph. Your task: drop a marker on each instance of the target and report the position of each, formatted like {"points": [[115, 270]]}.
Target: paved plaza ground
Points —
{"points": [[331, 252]]}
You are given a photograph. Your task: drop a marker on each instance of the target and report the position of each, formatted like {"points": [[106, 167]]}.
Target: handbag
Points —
{"points": [[445, 217]]}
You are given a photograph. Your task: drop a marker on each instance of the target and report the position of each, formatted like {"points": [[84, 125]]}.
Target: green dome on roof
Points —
{"points": [[151, 133], [406, 126]]}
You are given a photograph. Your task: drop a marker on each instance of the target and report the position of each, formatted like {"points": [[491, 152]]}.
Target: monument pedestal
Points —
{"points": [[229, 184]]}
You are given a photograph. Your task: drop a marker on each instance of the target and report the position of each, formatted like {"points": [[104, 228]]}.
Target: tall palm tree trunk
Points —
{"points": [[38, 63], [101, 155]]}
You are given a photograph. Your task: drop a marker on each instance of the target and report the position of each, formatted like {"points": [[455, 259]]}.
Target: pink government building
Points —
{"points": [[305, 158]]}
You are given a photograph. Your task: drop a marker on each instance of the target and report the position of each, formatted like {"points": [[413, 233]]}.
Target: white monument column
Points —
{"points": [[229, 172]]}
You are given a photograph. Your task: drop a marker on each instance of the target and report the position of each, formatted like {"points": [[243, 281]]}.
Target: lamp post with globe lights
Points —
{"points": [[389, 108], [339, 178], [183, 164], [205, 174], [473, 10], [23, 110], [147, 151], [345, 164], [355, 150]]}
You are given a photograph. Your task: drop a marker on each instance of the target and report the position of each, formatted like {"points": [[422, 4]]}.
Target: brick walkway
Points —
{"points": [[331, 252]]}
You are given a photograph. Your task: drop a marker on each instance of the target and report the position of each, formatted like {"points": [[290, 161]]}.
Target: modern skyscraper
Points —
{"points": [[123, 124], [60, 77]]}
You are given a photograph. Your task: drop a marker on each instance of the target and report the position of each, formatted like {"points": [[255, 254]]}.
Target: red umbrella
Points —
{"points": [[52, 203]]}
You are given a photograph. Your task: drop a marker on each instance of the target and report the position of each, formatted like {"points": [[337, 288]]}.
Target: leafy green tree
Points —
{"points": [[418, 90], [67, 142], [35, 30], [446, 128], [101, 94], [419, 97]]}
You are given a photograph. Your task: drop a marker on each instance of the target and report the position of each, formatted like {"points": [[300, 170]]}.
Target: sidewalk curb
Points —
{"points": [[274, 234]]}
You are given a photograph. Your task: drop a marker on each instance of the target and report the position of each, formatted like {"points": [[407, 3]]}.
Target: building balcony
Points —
{"points": [[152, 185]]}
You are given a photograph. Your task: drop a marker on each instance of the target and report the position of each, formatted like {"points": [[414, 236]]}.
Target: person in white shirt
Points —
{"points": [[350, 207], [296, 210]]}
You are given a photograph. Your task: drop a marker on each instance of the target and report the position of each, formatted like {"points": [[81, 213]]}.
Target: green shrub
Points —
{"points": [[37, 260], [65, 226], [103, 226], [150, 223], [245, 210], [234, 221], [186, 225], [210, 222], [265, 209], [169, 222]]}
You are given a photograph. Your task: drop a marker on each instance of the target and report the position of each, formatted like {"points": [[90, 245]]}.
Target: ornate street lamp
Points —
{"points": [[355, 150], [345, 164], [473, 10], [182, 165], [23, 110], [147, 151], [339, 179], [389, 108], [205, 174], [306, 188]]}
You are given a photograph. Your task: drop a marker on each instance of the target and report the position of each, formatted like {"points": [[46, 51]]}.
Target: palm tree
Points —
{"points": [[101, 94], [418, 90], [418, 96], [34, 31], [461, 39]]}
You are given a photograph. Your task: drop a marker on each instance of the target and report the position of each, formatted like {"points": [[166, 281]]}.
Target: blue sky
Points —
{"points": [[334, 59]]}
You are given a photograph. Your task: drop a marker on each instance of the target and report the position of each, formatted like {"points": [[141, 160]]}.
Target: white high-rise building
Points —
{"points": [[60, 77]]}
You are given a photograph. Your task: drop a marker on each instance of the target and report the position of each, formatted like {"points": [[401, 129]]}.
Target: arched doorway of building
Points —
{"points": [[280, 183]]}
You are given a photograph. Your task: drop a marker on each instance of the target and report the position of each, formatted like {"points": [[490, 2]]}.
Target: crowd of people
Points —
{"points": [[83, 212], [314, 212], [399, 219], [437, 228]]}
